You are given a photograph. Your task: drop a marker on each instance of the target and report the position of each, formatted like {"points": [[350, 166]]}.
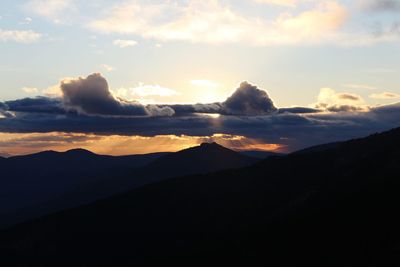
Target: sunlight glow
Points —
{"points": [[20, 144]]}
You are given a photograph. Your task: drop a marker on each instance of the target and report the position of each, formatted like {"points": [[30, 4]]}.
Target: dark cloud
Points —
{"points": [[344, 108], [299, 110], [248, 112], [37, 105], [340, 108], [351, 97], [4, 111], [294, 130], [248, 100], [382, 5], [155, 110], [92, 96], [213, 108]]}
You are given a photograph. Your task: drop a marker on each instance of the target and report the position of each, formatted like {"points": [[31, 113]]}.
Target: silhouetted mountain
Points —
{"points": [[208, 157], [81, 157], [332, 207], [260, 154], [37, 180], [50, 181]]}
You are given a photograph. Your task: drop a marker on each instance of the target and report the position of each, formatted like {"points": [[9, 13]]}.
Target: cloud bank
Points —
{"points": [[87, 106], [210, 21]]}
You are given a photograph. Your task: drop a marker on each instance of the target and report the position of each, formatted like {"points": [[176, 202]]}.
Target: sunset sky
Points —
{"points": [[137, 76]]}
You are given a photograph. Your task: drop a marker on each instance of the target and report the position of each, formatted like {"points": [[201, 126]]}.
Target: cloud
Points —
{"points": [[381, 5], [289, 3], [189, 109], [332, 101], [19, 36], [144, 90], [158, 111], [37, 105], [107, 67], [212, 22], [328, 16], [291, 130], [92, 96], [248, 100], [30, 90], [4, 111], [124, 43], [299, 110], [350, 97], [145, 93], [343, 108], [54, 10], [88, 107], [26, 21], [385, 95]]}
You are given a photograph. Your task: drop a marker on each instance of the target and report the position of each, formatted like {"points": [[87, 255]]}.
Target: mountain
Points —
{"points": [[336, 206], [50, 181], [208, 157], [28, 183], [81, 158], [260, 154]]}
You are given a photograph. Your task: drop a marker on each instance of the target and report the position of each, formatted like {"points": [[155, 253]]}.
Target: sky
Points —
{"points": [[139, 76]]}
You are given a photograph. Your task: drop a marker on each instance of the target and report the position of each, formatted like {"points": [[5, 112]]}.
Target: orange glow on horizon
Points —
{"points": [[22, 144]]}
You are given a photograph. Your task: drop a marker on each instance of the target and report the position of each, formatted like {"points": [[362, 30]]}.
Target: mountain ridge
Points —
{"points": [[326, 208], [75, 177]]}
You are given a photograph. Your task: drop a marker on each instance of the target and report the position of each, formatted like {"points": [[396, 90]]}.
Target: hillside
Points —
{"points": [[51, 181], [332, 207], [208, 157]]}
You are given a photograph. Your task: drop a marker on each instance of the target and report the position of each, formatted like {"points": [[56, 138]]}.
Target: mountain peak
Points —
{"points": [[212, 144], [80, 151]]}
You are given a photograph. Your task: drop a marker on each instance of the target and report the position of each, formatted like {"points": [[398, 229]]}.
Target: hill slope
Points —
{"points": [[32, 180], [49, 181], [208, 157], [332, 207]]}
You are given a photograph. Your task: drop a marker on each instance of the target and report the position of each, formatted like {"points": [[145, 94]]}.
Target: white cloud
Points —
{"points": [[124, 43], [30, 90], [385, 95], [19, 36], [50, 9], [107, 67], [145, 93], [209, 21], [330, 96], [144, 90], [326, 17], [330, 100], [289, 3], [26, 21]]}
